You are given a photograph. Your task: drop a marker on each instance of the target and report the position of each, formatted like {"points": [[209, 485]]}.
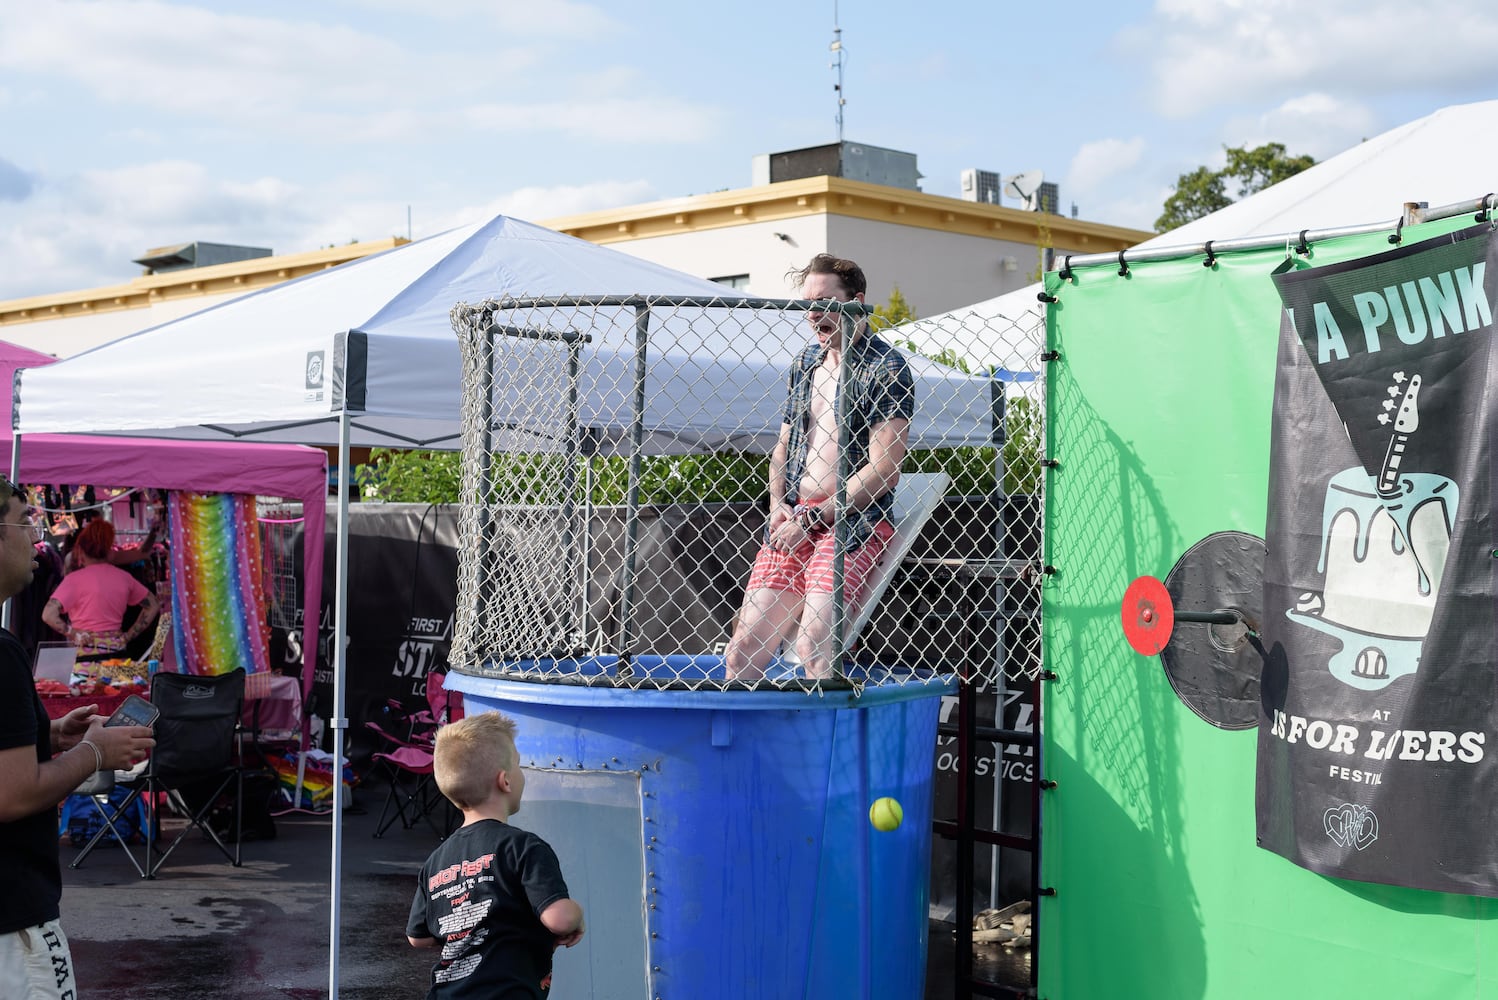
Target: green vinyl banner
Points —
{"points": [[1375, 757]]}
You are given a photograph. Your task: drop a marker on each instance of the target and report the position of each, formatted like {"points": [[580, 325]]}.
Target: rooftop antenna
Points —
{"points": [[837, 49]]}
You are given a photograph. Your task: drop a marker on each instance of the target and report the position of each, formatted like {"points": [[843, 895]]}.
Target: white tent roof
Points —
{"points": [[1441, 159], [279, 363], [1003, 333], [375, 336]]}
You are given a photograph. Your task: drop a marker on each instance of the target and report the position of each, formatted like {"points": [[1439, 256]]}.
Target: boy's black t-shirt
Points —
{"points": [[481, 894], [28, 846]]}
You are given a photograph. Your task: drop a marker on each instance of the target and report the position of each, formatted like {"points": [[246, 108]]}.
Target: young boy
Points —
{"points": [[491, 896]]}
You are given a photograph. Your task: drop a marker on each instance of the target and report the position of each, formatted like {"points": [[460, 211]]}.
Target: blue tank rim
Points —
{"points": [[880, 686]]}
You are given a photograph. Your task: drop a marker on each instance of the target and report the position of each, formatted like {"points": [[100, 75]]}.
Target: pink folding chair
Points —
{"points": [[407, 764]]}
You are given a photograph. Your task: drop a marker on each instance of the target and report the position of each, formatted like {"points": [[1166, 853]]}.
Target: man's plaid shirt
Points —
{"points": [[881, 388]]}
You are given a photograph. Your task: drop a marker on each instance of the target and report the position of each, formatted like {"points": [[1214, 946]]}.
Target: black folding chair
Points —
{"points": [[197, 753]]}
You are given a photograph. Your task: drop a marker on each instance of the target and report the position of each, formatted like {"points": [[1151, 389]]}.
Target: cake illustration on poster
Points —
{"points": [[1384, 543]]}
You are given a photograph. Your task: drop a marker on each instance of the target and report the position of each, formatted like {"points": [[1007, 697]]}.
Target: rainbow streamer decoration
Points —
{"points": [[317, 781], [218, 586]]}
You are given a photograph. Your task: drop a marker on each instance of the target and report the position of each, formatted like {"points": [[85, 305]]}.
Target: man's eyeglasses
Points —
{"points": [[34, 527]]}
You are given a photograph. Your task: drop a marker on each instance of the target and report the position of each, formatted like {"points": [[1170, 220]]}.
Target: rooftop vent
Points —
{"points": [[199, 254], [856, 161]]}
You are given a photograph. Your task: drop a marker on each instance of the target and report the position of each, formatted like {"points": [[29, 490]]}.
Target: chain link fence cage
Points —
{"points": [[616, 461], [281, 522]]}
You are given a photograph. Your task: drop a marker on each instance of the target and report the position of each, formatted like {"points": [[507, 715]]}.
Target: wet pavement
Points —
{"points": [[260, 932]]}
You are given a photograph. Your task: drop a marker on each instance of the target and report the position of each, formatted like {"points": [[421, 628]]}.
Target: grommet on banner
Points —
{"points": [[1398, 233], [1211, 260], [1303, 248], [1047, 299], [1065, 273], [1123, 265]]}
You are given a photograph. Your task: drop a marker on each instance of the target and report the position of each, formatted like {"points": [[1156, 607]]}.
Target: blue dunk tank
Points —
{"points": [[720, 841], [716, 830]]}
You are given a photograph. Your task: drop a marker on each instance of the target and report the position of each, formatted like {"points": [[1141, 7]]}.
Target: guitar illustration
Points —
{"points": [[1406, 422]]}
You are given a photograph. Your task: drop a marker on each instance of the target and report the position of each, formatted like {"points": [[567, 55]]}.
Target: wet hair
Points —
{"points": [[96, 539], [849, 273], [470, 753]]}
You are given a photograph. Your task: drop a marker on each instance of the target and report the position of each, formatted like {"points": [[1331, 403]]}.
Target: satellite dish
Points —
{"points": [[1024, 188]]}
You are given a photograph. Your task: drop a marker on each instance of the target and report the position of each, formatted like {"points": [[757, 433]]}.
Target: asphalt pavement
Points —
{"points": [[257, 932], [260, 931]]}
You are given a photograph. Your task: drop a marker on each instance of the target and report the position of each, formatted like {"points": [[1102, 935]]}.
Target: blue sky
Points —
{"points": [[295, 125]]}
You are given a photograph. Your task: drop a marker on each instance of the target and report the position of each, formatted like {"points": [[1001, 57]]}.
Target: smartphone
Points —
{"points": [[134, 711]]}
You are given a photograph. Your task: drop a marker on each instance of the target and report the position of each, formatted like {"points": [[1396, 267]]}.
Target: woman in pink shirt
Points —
{"points": [[89, 605]]}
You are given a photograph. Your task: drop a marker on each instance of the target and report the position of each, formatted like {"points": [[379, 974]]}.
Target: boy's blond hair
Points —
{"points": [[470, 753]]}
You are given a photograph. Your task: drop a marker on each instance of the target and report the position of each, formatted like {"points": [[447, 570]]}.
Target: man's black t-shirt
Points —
{"points": [[481, 894], [28, 846]]}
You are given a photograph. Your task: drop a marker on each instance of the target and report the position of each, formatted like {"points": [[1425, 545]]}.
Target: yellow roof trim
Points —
{"points": [[855, 199], [148, 289]]}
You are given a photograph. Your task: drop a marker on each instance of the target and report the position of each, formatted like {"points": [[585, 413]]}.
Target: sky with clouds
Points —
{"points": [[132, 124]]}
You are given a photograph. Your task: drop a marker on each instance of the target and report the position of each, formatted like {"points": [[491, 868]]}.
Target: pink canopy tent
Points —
{"points": [[290, 471]]}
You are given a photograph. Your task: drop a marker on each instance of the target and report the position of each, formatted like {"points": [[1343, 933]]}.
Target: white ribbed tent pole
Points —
{"points": [[15, 477], [338, 722]]}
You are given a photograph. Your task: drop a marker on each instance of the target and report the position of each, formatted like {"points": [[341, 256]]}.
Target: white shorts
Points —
{"points": [[37, 961]]}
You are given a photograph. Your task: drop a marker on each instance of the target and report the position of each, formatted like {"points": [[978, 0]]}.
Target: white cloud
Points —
{"points": [[1231, 51], [337, 83], [83, 230], [1316, 124], [1098, 161], [537, 204], [564, 18]]}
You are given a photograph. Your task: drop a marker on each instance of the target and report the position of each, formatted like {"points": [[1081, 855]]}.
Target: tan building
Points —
{"points": [[941, 252], [67, 323]]}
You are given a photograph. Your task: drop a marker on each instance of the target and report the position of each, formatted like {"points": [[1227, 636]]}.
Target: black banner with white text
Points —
{"points": [[1375, 741]]}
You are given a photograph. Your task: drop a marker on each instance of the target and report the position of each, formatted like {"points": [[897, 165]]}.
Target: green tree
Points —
{"points": [[894, 312], [1204, 191], [410, 476]]}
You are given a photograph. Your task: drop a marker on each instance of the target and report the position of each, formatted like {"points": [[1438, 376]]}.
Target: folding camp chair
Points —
{"points": [[196, 760], [407, 763]]}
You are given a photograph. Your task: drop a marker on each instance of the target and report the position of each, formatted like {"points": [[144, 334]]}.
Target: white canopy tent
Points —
{"points": [[366, 355], [372, 339], [1440, 159]]}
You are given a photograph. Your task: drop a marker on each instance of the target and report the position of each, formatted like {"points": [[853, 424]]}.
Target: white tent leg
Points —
{"points": [[338, 722], [15, 477]]}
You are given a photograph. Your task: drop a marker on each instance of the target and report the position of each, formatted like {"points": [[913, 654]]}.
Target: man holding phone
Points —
{"points": [[41, 762]]}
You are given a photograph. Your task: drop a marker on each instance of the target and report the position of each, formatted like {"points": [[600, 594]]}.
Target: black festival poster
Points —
{"points": [[1375, 747]]}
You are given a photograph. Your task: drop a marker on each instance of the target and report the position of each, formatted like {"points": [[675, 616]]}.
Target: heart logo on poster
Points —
{"points": [[1350, 825]]}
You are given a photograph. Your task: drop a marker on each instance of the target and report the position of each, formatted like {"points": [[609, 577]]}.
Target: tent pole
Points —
{"points": [[339, 723], [15, 476], [632, 498]]}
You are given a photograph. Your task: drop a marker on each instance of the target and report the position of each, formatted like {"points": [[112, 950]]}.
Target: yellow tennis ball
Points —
{"points": [[886, 814]]}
